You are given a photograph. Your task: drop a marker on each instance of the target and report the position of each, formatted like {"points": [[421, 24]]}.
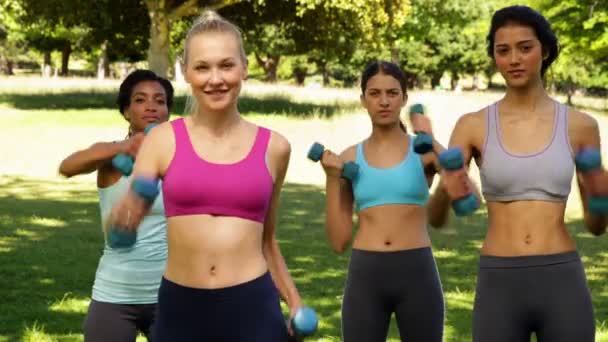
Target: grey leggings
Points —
{"points": [[545, 294], [404, 282], [118, 322]]}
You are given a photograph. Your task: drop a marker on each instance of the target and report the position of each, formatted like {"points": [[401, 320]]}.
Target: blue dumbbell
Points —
{"points": [[124, 162], [589, 162], [350, 170], [452, 160], [145, 188], [423, 143], [304, 323]]}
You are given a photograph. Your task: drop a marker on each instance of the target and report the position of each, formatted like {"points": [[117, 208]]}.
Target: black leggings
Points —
{"points": [[118, 322], [248, 312], [404, 282], [545, 294]]}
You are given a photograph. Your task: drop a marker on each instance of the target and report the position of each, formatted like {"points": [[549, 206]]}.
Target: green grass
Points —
{"points": [[50, 235], [50, 242]]}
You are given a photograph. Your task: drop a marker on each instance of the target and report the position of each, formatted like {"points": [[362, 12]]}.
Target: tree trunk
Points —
{"points": [[270, 65], [9, 67], [570, 88], [103, 64], [300, 75], [322, 66], [454, 80], [47, 70], [65, 59], [6, 66], [160, 27], [435, 80], [489, 74], [395, 55]]}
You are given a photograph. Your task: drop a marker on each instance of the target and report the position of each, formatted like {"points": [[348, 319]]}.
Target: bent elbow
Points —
{"points": [[339, 246], [437, 221], [65, 171], [597, 230]]}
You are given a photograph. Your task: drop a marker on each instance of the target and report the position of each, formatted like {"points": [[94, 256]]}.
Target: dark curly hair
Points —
{"points": [[133, 79], [528, 17]]}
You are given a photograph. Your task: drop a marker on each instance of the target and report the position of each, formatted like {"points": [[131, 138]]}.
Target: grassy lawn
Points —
{"points": [[50, 238]]}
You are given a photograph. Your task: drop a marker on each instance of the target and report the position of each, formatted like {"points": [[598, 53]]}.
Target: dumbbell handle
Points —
{"points": [[123, 161], [349, 170], [589, 162], [453, 160]]}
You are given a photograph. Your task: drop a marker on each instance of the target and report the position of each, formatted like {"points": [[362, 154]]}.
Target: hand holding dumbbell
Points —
{"points": [[331, 162], [423, 142], [123, 162], [129, 212], [595, 178], [456, 182], [304, 323]]}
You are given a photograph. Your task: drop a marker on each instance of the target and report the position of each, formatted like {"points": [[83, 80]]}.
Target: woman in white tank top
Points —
{"points": [[125, 289]]}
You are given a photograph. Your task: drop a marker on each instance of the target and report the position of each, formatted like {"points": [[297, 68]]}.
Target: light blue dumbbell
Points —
{"points": [[350, 170], [124, 162], [146, 188], [589, 162], [304, 323], [452, 160], [423, 143]]}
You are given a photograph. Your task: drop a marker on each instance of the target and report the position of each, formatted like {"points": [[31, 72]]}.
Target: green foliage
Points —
{"points": [[581, 29]]}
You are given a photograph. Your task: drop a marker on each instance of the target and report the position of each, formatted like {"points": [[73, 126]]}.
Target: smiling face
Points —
{"points": [[518, 55], [147, 104], [215, 70], [383, 99]]}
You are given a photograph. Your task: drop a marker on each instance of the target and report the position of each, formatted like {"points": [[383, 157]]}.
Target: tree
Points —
{"points": [[163, 13], [268, 30], [580, 26], [445, 35], [12, 39]]}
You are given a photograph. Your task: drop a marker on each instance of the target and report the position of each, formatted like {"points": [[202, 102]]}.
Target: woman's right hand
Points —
{"points": [[131, 146], [421, 123], [128, 212], [332, 164], [456, 183]]}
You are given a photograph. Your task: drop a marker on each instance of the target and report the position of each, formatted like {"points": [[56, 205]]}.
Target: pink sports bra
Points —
{"points": [[193, 186]]}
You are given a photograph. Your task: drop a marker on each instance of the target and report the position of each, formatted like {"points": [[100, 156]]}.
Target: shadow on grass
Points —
{"points": [[49, 249], [275, 104], [50, 242]]}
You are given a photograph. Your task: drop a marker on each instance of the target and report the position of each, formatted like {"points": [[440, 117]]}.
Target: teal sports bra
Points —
{"points": [[404, 183]]}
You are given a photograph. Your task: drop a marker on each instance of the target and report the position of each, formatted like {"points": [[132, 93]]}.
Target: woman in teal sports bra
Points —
{"points": [[531, 279], [125, 290], [392, 269]]}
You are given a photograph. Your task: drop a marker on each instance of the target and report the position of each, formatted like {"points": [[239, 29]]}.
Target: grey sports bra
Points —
{"points": [[545, 175]]}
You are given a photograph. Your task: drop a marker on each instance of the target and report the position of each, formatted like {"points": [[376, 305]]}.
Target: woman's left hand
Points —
{"points": [[596, 184], [293, 309], [421, 123]]}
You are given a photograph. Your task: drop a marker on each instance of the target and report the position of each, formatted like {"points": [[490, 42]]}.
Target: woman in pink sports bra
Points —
{"points": [[222, 177]]}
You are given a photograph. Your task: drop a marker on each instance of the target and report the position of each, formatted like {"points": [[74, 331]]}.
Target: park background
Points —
{"points": [[61, 62]]}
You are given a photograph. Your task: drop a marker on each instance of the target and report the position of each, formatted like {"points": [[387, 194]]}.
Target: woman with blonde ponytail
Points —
{"points": [[222, 177]]}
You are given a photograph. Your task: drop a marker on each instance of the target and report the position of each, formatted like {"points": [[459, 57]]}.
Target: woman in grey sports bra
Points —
{"points": [[531, 279]]}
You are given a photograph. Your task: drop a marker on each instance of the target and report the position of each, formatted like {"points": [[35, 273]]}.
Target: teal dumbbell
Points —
{"points": [[124, 162], [452, 160], [423, 143], [350, 170], [589, 162], [148, 190], [304, 323]]}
